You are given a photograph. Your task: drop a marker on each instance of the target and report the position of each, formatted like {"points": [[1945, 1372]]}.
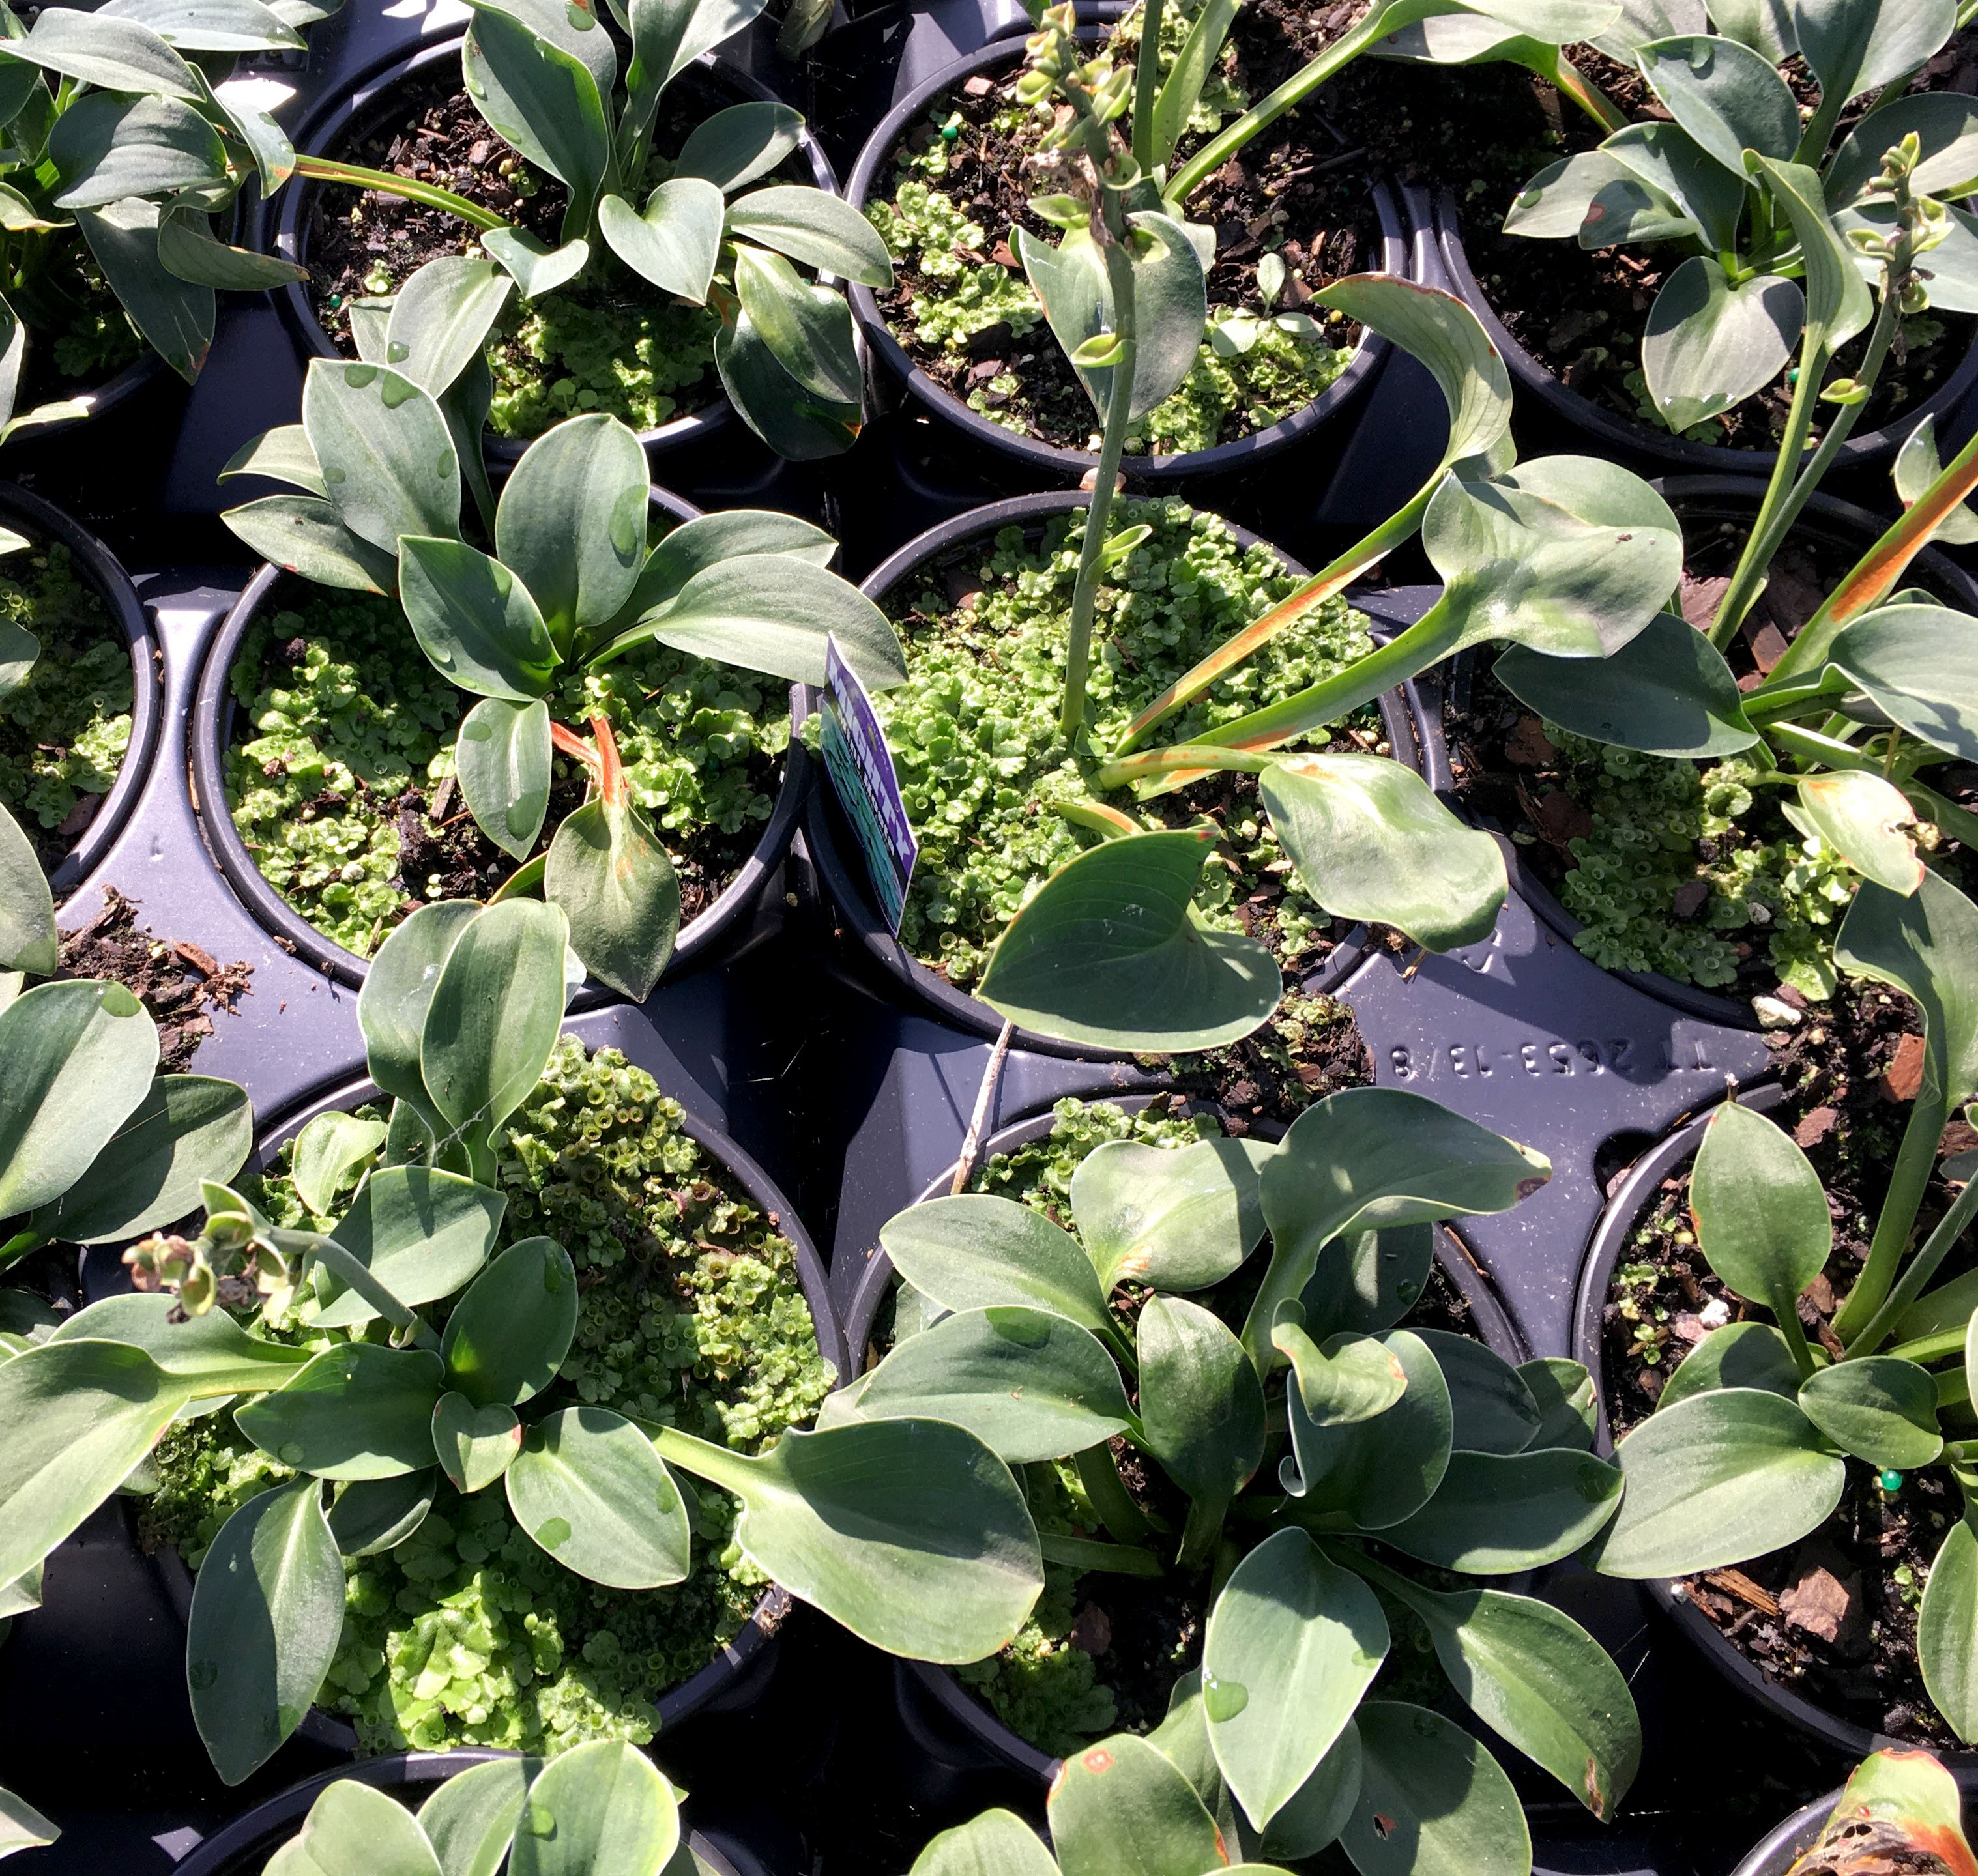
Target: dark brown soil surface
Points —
{"points": [[1295, 175], [1484, 131], [179, 981], [1311, 1047], [1833, 1616]]}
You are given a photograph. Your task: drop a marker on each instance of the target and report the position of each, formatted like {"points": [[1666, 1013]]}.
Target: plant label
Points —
{"points": [[861, 767]]}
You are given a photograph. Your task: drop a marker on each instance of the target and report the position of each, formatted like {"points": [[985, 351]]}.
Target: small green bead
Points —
{"points": [[1890, 1480]]}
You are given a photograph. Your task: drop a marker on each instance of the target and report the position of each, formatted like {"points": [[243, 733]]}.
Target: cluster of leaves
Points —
{"points": [[1053, 1348]]}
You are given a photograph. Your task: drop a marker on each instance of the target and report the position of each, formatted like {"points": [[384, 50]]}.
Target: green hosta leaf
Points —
{"points": [[1433, 1803], [441, 318], [614, 879], [1880, 1409], [192, 1349], [1740, 1355], [1200, 1401], [973, 1251], [772, 613], [398, 991], [1171, 1219], [1494, 1409], [176, 316], [1673, 164], [1947, 1630], [608, 1809], [19, 648], [357, 1411], [188, 248], [1926, 945], [1120, 1808], [1030, 1384], [1728, 97], [996, 1843], [470, 1819], [1562, 1391], [674, 242], [1319, 1808], [546, 102], [114, 54], [387, 457], [22, 1595], [1555, 204], [1373, 1474], [1533, 1674], [1865, 820], [1838, 303], [588, 1486], [910, 1532], [1916, 663], [302, 534], [327, 1151], [1761, 1217], [502, 757], [1351, 1378], [495, 1012], [1568, 555], [186, 1129], [267, 1610], [1709, 345], [1109, 951], [823, 231], [1372, 1158], [1495, 1514], [1718, 1478], [1667, 692], [1371, 841], [1946, 124], [799, 425], [421, 1232], [536, 268], [82, 1415], [355, 1829], [1292, 1643], [374, 1514], [80, 1057], [1851, 48], [740, 144], [709, 539], [1369, 1280], [210, 25], [475, 1444], [474, 619], [808, 329], [507, 1336], [1630, 211], [21, 1826]]}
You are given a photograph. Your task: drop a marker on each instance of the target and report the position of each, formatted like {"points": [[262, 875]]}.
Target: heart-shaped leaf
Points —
{"points": [[605, 1806], [1717, 1479], [1292, 1643], [1554, 204], [1371, 840], [588, 1486], [1494, 1409], [475, 1444], [1917, 663], [612, 878], [1865, 819], [1371, 1475], [1173, 1220], [1109, 951], [267, 1612], [675, 241], [1880, 1409], [420, 1232], [355, 1829], [387, 457], [1432, 1801], [1709, 344], [441, 318], [1495, 1514], [471, 1819], [1761, 1214], [501, 757], [1120, 1808], [1740, 1355], [735, 146], [823, 231], [1728, 97], [1351, 1377], [326, 1152], [357, 1411], [474, 619], [507, 1336], [974, 1251], [536, 267], [995, 1843]]}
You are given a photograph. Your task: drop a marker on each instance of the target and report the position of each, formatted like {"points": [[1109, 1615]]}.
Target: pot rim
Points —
{"points": [[1404, 716], [1773, 1854], [1545, 904], [1606, 1245], [1163, 471], [118, 389], [1618, 436], [942, 1685], [772, 1607], [252, 1832], [278, 228], [700, 940], [105, 575]]}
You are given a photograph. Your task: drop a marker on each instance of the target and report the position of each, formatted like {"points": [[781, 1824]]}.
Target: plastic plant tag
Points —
{"points": [[863, 776]]}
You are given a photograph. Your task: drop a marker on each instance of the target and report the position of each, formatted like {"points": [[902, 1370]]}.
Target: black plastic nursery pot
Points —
{"points": [[834, 853], [1774, 1853], [1033, 460], [244, 1848], [44, 523], [716, 934], [375, 100], [959, 1731], [1629, 1199], [737, 1677], [1704, 500], [1651, 448]]}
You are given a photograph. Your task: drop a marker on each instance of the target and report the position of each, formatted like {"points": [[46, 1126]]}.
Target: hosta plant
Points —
{"points": [[572, 583], [546, 78], [602, 1809], [1298, 1459], [21, 1826], [1747, 1452], [1897, 1810], [395, 1348]]}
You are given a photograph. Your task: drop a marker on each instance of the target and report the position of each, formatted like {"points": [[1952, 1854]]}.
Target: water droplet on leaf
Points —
{"points": [[1223, 1700]]}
